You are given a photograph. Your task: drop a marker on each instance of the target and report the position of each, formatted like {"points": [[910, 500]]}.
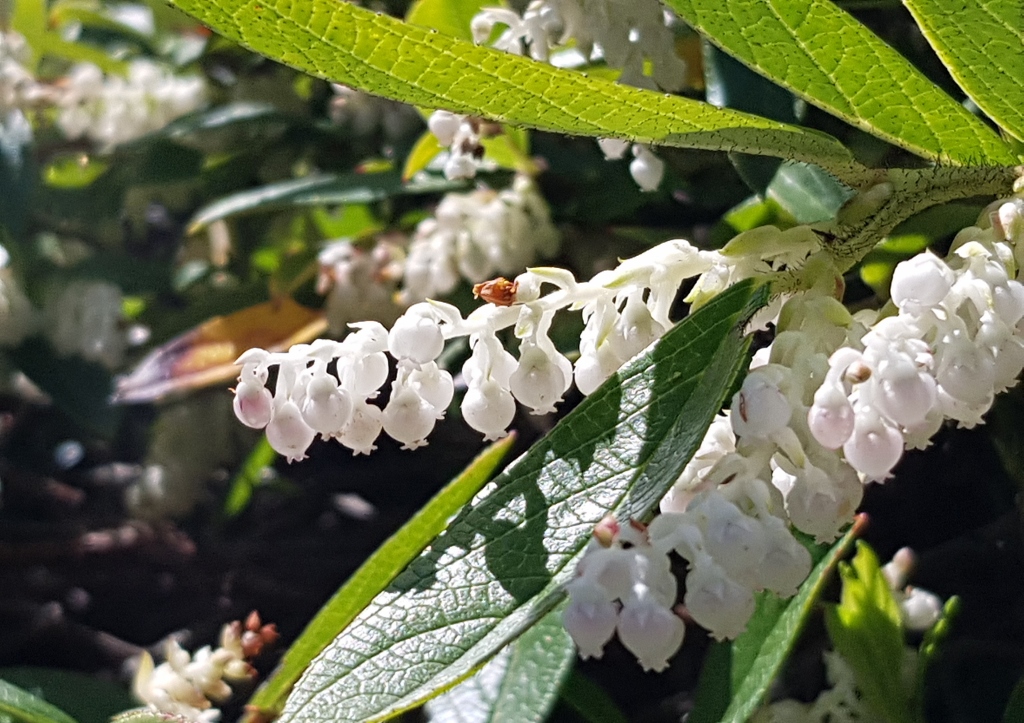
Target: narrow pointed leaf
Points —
{"points": [[825, 56], [981, 42], [21, 706], [345, 43], [502, 563], [737, 675], [375, 574], [519, 684]]}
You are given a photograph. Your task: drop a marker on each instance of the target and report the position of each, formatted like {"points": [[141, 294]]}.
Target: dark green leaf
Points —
{"points": [[23, 707], [328, 190], [590, 700], [85, 697]]}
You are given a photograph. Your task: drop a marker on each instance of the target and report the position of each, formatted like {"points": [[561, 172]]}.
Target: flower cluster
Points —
{"points": [[954, 342], [477, 236], [624, 35], [18, 87], [110, 110], [359, 283], [624, 309], [461, 135], [188, 685], [624, 585]]}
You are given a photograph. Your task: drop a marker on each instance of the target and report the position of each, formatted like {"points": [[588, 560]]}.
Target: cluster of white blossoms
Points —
{"points": [[623, 35], [18, 87], [360, 284], [461, 135], [477, 236], [188, 685], [624, 309], [109, 110], [84, 318]]}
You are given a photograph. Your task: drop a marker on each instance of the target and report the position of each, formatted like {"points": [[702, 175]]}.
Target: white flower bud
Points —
{"points": [[786, 563], [649, 630], [540, 379], [903, 393], [253, 404], [435, 385], [365, 375], [820, 504], [459, 167], [717, 602], [444, 126], [409, 418], [488, 408], [613, 148], [646, 169], [920, 609], [288, 432]]}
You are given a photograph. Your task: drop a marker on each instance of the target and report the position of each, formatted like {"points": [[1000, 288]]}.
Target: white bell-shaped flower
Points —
{"points": [[786, 562], [646, 168], [820, 504], [736, 541], [716, 601], [409, 418], [288, 432], [920, 609], [541, 378], [921, 282], [364, 375], [489, 409], [830, 418], [759, 408], [363, 429], [253, 404], [902, 392], [435, 385], [444, 126], [875, 446], [327, 407], [649, 629], [590, 617], [416, 336]]}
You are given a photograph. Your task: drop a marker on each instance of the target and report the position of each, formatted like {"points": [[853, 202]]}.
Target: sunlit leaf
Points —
{"points": [[206, 355], [373, 576], [980, 42], [825, 56], [370, 51]]}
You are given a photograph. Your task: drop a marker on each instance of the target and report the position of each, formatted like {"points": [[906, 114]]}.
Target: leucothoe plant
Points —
{"points": [[828, 406]]}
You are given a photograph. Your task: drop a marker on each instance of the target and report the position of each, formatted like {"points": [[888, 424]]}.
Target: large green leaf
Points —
{"points": [[981, 42], [85, 697], [23, 707], [824, 55], [501, 565], [323, 190], [518, 685], [737, 675], [375, 574], [348, 44]]}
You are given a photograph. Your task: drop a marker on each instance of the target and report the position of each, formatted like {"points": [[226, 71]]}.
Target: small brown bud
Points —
{"points": [[499, 291]]}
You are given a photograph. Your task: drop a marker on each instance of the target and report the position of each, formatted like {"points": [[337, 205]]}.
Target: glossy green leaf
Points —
{"points": [[808, 193], [370, 51], [825, 56], [981, 43], [23, 707], [85, 697], [590, 701], [325, 190], [502, 563], [375, 574], [519, 684], [867, 631], [737, 675]]}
